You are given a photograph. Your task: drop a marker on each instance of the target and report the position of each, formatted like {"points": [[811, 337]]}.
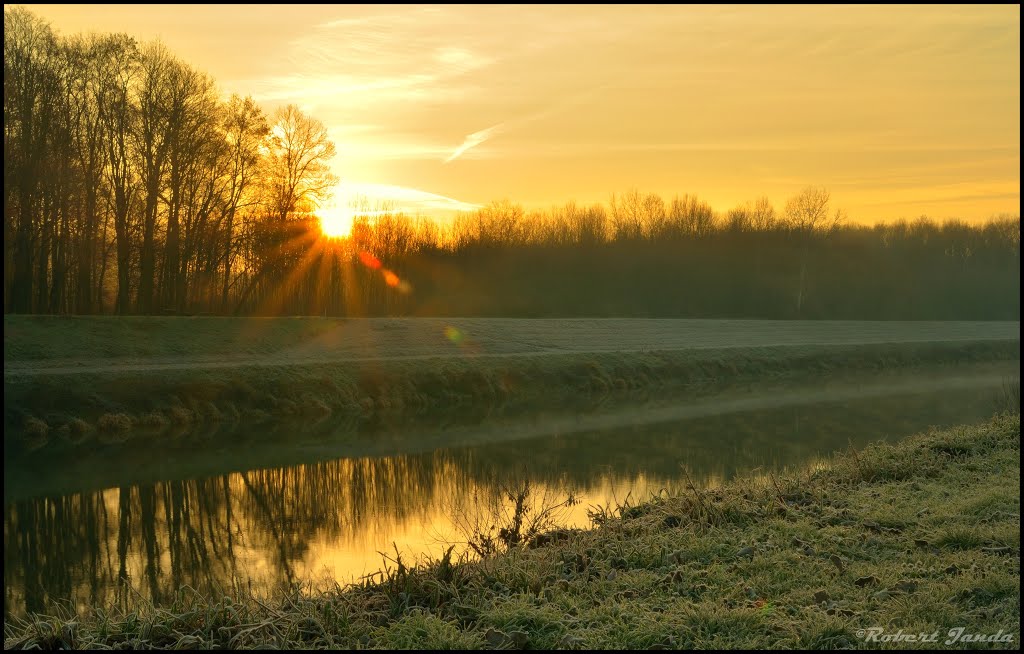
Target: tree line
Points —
{"points": [[642, 256], [131, 186]]}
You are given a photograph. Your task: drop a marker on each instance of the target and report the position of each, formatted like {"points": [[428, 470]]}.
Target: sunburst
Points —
{"points": [[335, 221]]}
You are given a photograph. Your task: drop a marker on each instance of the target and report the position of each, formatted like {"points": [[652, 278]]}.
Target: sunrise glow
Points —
{"points": [[539, 314], [899, 111], [335, 221]]}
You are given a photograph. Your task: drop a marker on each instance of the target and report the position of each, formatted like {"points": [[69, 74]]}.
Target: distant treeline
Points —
{"points": [[132, 187], [644, 258]]}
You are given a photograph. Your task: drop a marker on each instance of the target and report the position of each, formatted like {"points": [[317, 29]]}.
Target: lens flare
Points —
{"points": [[390, 278], [370, 261], [453, 334]]}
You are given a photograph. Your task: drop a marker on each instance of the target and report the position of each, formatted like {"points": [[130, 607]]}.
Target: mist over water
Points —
{"points": [[96, 537]]}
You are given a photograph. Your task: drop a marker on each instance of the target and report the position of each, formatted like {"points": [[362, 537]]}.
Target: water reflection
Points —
{"points": [[274, 525]]}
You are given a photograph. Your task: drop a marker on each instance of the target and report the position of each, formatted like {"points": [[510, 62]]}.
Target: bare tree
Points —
{"points": [[627, 215], [152, 140], [807, 213], [297, 181], [762, 214], [500, 222], [193, 149], [245, 130], [756, 216], [30, 52], [299, 161], [90, 153], [688, 215], [118, 69], [585, 225]]}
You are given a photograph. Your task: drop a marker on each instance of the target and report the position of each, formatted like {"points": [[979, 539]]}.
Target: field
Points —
{"points": [[920, 537], [70, 380], [60, 345]]}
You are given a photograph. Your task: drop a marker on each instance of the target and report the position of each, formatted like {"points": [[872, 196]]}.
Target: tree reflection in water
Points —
{"points": [[273, 526]]}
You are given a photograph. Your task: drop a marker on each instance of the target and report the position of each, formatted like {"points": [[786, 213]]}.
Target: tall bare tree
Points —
{"points": [[297, 181], [807, 213], [86, 88], [299, 163], [245, 130], [194, 147], [30, 91], [152, 140], [118, 70]]}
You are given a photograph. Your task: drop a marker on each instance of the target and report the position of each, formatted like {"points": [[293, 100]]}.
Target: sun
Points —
{"points": [[335, 221]]}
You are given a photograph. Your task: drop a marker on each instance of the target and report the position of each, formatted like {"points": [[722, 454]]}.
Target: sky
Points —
{"points": [[899, 111]]}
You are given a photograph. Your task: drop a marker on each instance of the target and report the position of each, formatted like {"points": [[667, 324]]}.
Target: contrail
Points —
{"points": [[475, 139]]}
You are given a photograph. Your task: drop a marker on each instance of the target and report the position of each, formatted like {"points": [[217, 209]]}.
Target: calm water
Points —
{"points": [[206, 510]]}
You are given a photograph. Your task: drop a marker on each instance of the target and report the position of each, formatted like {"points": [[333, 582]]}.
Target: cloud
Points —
{"points": [[390, 197], [370, 63], [473, 140], [476, 138]]}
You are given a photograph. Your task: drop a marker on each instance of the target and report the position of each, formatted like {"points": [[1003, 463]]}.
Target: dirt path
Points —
{"points": [[398, 339]]}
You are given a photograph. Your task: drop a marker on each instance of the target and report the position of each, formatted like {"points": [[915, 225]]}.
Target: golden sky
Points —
{"points": [[899, 111]]}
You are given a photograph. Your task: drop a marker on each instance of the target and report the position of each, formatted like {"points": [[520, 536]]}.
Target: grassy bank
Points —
{"points": [[111, 405], [920, 536]]}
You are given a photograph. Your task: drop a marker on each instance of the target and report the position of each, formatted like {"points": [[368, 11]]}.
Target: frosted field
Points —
{"points": [[55, 345]]}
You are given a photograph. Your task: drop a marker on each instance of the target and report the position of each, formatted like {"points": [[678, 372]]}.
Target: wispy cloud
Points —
{"points": [[473, 140], [366, 63], [476, 138], [368, 198]]}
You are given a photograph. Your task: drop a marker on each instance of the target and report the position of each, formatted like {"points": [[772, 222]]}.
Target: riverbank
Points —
{"points": [[921, 536], [175, 374], [843, 409]]}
